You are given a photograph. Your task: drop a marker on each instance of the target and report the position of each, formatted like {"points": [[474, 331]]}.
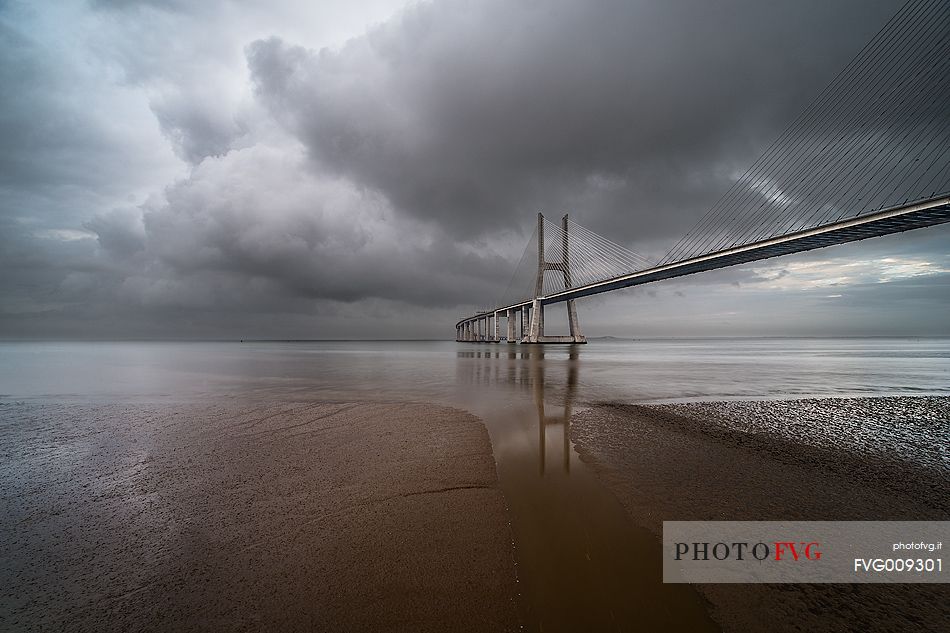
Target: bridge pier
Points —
{"points": [[535, 332], [574, 325], [536, 326], [486, 326]]}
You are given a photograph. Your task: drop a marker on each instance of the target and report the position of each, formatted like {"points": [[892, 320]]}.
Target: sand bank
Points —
{"points": [[723, 461], [325, 516]]}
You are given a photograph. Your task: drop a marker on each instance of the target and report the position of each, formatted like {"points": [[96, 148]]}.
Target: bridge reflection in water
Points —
{"points": [[529, 375], [582, 563]]}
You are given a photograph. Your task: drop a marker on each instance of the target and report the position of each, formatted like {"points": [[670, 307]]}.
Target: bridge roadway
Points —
{"points": [[894, 220]]}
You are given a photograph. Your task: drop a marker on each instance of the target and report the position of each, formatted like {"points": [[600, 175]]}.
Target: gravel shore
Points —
{"points": [[791, 460], [327, 516]]}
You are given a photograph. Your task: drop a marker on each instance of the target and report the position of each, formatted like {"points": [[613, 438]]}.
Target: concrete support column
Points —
{"points": [[536, 329], [510, 322], [525, 327], [539, 284], [573, 323], [497, 336]]}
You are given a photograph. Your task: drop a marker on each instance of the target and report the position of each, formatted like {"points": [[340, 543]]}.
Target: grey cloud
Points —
{"points": [[120, 232], [43, 137], [476, 114], [258, 213], [195, 127], [388, 182], [125, 5], [71, 146]]}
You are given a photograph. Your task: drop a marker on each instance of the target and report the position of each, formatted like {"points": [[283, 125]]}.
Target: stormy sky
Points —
{"points": [[291, 169]]}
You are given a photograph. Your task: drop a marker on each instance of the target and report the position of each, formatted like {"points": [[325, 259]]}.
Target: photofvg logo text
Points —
{"points": [[742, 550], [803, 551]]}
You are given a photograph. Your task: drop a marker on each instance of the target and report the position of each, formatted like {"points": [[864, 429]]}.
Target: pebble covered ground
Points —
{"points": [[835, 459], [912, 429]]}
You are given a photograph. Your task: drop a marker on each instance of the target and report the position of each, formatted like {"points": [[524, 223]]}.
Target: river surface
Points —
{"points": [[582, 564], [604, 369]]}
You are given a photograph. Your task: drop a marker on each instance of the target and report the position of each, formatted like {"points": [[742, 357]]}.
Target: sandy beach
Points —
{"points": [[726, 461], [341, 516]]}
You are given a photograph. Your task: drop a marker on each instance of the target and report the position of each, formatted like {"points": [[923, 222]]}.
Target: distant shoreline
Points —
{"points": [[451, 340]]}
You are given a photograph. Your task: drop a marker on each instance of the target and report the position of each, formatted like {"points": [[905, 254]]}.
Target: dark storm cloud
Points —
{"points": [[477, 114], [258, 213], [374, 188]]}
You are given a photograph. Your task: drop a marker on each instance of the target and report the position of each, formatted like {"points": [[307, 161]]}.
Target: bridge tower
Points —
{"points": [[535, 331]]}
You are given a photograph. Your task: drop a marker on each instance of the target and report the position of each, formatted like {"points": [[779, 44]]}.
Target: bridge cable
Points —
{"points": [[876, 85], [855, 71]]}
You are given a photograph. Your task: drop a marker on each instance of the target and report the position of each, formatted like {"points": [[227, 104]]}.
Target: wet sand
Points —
{"points": [[324, 516], [739, 461]]}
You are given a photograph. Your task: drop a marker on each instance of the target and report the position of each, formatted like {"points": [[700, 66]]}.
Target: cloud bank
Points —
{"points": [[273, 177]]}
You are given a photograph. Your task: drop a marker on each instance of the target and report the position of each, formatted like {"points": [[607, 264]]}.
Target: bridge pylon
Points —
{"points": [[535, 331]]}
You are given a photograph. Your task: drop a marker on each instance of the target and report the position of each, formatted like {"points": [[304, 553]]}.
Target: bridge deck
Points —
{"points": [[894, 220]]}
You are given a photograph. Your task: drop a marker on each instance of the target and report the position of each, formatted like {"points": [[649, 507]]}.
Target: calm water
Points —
{"points": [[582, 564], [458, 372]]}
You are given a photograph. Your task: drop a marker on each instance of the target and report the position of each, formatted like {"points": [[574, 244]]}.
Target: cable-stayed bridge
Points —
{"points": [[869, 157]]}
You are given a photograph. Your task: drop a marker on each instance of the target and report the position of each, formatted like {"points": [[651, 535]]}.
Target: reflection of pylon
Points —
{"points": [[538, 384], [535, 333]]}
